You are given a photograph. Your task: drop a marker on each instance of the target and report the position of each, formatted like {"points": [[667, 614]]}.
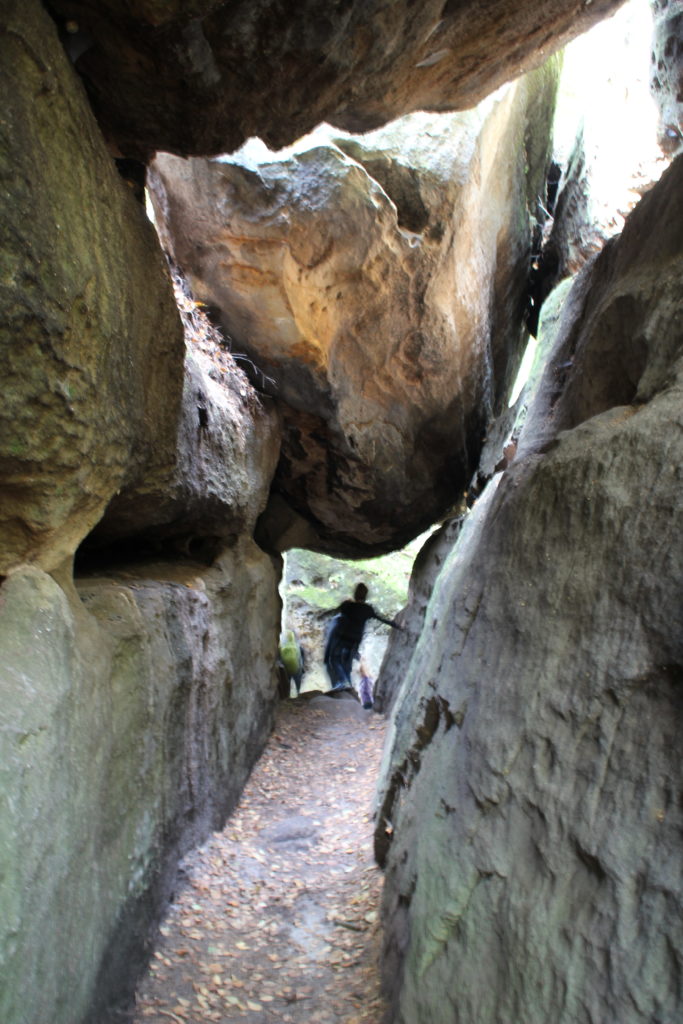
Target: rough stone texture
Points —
{"points": [[426, 568], [226, 451], [379, 284], [128, 719], [666, 75], [533, 783], [202, 77], [90, 336], [127, 729]]}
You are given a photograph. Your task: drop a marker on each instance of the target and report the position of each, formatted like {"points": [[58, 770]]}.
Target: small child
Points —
{"points": [[365, 688]]}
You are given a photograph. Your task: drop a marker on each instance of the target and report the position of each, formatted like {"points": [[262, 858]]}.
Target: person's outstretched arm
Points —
{"points": [[394, 623]]}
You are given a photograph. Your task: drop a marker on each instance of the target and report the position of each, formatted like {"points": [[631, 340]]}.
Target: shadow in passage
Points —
{"points": [[279, 917]]}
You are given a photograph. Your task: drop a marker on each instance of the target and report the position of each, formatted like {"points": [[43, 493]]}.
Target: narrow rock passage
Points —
{"points": [[279, 919]]}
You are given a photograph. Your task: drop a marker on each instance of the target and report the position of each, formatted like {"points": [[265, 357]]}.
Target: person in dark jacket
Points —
{"points": [[345, 637]]}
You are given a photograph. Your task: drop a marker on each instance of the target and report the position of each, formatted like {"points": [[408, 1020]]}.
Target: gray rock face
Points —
{"points": [[379, 283], [226, 449], [91, 341], [530, 825], [128, 725], [202, 77], [426, 569]]}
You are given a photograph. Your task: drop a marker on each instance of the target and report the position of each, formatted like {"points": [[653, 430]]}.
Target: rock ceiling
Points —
{"points": [[201, 76]]}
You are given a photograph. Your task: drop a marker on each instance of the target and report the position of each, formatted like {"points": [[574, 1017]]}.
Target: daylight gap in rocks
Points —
{"points": [[313, 584]]}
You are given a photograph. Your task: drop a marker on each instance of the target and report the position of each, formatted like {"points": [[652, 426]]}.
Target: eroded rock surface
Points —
{"points": [[226, 449], [534, 871], [92, 345], [426, 568], [128, 726], [202, 77], [378, 283], [132, 703]]}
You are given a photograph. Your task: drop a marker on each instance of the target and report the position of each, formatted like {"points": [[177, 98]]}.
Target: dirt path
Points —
{"points": [[279, 921]]}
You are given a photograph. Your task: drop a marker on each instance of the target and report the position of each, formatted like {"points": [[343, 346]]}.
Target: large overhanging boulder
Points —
{"points": [[531, 818], [378, 285], [202, 76]]}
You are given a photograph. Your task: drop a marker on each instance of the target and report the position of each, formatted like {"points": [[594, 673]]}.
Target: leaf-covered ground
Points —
{"points": [[279, 919]]}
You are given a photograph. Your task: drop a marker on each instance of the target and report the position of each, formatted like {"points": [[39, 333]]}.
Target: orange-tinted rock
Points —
{"points": [[377, 284]]}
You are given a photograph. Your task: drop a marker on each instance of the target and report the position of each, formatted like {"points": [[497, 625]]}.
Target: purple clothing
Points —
{"points": [[365, 691]]}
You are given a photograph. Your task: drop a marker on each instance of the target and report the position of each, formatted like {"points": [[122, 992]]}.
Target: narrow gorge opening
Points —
{"points": [[283, 927], [220, 417], [277, 916]]}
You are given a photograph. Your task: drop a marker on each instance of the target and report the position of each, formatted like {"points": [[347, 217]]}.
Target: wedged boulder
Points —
{"points": [[226, 450], [128, 725], [201, 77], [378, 286], [91, 341], [530, 820]]}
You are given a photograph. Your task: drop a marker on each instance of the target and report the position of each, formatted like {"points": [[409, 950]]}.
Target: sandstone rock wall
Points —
{"points": [[530, 819], [91, 341], [226, 448], [532, 789], [129, 724], [134, 701], [426, 569]]}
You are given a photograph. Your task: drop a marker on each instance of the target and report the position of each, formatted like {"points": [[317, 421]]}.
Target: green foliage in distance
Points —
{"points": [[321, 582]]}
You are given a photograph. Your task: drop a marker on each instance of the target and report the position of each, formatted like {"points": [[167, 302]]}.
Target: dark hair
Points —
{"points": [[360, 593]]}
